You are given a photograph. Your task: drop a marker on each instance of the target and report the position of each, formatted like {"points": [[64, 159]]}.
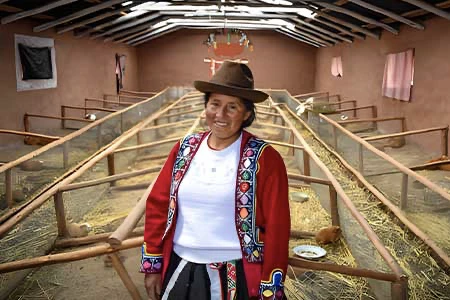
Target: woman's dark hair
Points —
{"points": [[249, 106]]}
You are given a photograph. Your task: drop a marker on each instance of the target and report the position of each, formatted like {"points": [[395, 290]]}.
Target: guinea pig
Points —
{"points": [[328, 235], [32, 165], [37, 140], [78, 230]]}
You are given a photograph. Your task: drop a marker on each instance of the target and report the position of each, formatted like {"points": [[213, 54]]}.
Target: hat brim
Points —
{"points": [[255, 96]]}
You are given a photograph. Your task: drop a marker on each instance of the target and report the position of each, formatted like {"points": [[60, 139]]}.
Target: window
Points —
{"points": [[336, 66], [398, 75]]}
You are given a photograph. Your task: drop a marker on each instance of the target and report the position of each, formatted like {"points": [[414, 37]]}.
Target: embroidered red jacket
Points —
{"points": [[262, 213]]}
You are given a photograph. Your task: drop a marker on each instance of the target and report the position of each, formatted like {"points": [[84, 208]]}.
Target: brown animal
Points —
{"points": [[395, 142], [328, 235], [443, 167], [78, 230], [37, 141], [32, 165]]}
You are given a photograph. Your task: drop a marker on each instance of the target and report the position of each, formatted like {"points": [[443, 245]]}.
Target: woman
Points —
{"points": [[217, 219]]}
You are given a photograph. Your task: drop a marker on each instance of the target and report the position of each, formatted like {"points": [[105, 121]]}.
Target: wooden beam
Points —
{"points": [[320, 29], [128, 25], [308, 179], [412, 132], [76, 15], [35, 11], [313, 265], [69, 256], [152, 144], [341, 29], [91, 20], [24, 133], [430, 8], [345, 23], [415, 13], [370, 120], [388, 13], [358, 16]]}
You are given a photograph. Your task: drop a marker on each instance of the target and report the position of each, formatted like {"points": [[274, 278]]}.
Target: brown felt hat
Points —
{"points": [[232, 79]]}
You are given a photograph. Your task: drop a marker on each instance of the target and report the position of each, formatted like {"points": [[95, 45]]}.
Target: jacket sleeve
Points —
{"points": [[156, 211], [274, 191]]}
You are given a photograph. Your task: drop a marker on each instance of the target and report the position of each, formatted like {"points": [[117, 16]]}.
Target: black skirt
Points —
{"points": [[188, 281]]}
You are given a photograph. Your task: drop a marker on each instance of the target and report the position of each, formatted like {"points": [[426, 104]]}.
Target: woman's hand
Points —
{"points": [[153, 286]]}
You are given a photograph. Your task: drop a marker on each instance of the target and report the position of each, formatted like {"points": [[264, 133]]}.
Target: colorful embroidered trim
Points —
{"points": [[272, 289], [246, 201], [150, 263], [231, 280], [184, 157]]}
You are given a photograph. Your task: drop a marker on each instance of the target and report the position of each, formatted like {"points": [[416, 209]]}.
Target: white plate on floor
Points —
{"points": [[309, 251]]}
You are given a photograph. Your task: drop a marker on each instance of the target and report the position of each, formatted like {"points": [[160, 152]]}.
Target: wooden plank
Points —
{"points": [[308, 179], [388, 13], [91, 20], [125, 277], [347, 24], [35, 11], [339, 28], [76, 15], [313, 265], [24, 133], [405, 133], [89, 108], [369, 120], [69, 256], [430, 8]]}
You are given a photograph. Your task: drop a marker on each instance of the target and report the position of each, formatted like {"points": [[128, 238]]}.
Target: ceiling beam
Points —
{"points": [[35, 11], [346, 24], [430, 8], [76, 15], [315, 32], [298, 38], [159, 35], [389, 14], [337, 27], [12, 9], [126, 33], [357, 16], [91, 20], [128, 25], [322, 30]]}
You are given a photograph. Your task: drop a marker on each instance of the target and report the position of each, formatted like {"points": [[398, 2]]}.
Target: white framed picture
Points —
{"points": [[35, 63]]}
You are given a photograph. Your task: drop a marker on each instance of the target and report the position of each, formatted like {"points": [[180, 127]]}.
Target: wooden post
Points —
{"points": [[306, 164], [399, 290], [66, 154], [291, 141], [120, 269], [8, 188], [374, 115], [403, 124], [333, 207], [444, 141], [404, 192], [121, 124], [63, 115], [60, 214], [335, 142], [361, 159], [99, 135], [111, 167], [26, 122]]}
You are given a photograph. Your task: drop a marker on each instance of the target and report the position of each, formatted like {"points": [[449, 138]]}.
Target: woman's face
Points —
{"points": [[225, 115]]}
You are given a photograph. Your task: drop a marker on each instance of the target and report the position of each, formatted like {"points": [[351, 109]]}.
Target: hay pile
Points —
{"points": [[427, 280]]}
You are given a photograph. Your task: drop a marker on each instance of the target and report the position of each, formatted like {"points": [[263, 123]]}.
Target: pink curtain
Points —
{"points": [[336, 66], [398, 74]]}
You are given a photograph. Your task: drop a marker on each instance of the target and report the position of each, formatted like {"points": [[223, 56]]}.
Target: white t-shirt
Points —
{"points": [[206, 230]]}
